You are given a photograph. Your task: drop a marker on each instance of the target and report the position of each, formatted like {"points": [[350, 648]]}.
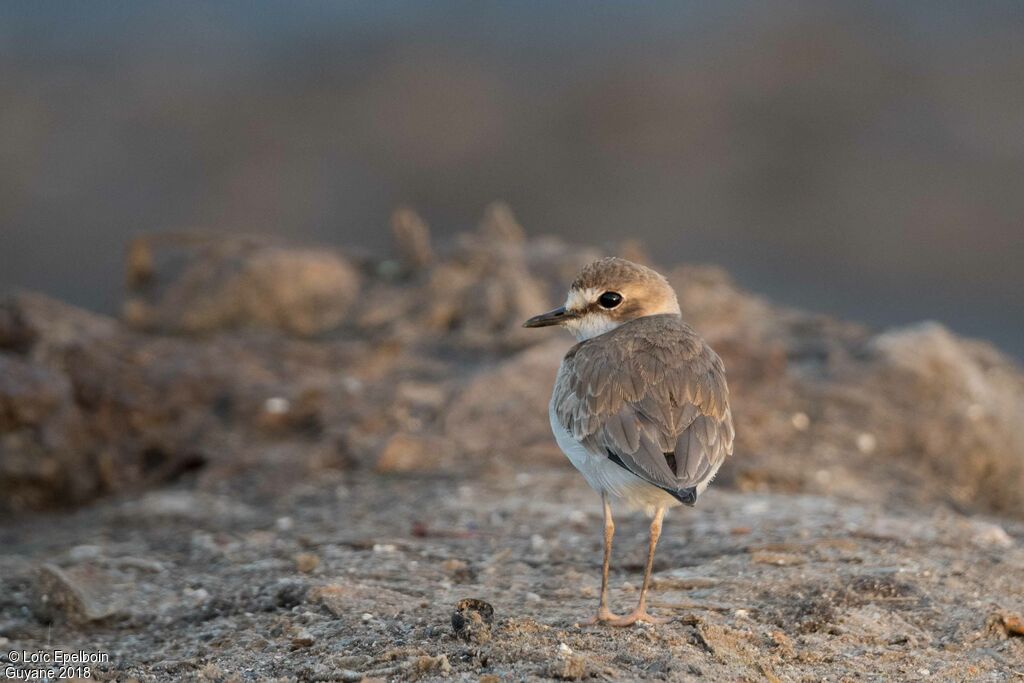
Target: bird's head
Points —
{"points": [[608, 293]]}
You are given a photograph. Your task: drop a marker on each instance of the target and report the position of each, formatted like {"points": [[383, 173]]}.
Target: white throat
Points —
{"points": [[591, 325]]}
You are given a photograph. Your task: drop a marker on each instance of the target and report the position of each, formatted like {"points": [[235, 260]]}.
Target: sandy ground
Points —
{"points": [[357, 577]]}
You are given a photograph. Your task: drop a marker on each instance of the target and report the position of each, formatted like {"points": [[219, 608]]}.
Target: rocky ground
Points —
{"points": [[357, 577], [290, 463]]}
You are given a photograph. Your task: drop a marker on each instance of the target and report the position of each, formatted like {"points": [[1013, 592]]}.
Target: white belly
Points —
{"points": [[604, 476]]}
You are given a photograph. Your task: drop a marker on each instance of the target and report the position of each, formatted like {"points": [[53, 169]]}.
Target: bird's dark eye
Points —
{"points": [[610, 299]]}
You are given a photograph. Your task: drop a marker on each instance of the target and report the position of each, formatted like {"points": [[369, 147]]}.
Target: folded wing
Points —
{"points": [[652, 396]]}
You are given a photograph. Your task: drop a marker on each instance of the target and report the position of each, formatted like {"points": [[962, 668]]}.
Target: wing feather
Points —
{"points": [[647, 389]]}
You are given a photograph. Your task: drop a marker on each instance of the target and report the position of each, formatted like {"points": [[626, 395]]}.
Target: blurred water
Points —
{"points": [[864, 159]]}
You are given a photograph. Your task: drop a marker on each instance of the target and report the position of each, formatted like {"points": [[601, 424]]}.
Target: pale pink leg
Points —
{"points": [[640, 613], [603, 614]]}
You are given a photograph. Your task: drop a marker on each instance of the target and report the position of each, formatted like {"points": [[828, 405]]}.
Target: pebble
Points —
{"points": [[866, 443], [302, 639], [306, 562], [277, 405], [140, 563], [428, 664], [74, 595], [82, 553], [459, 571], [472, 619], [991, 535]]}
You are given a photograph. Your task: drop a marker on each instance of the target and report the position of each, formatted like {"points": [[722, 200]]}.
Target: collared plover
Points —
{"points": [[640, 405]]}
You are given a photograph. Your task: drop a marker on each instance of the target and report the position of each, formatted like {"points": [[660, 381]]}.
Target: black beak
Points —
{"points": [[555, 317]]}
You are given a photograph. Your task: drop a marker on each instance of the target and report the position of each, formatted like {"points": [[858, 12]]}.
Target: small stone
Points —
{"points": [[302, 639], [987, 534], [284, 524], [866, 443], [401, 453], [352, 385], [277, 406], [1010, 625], [306, 562], [800, 421], [140, 563], [83, 553], [577, 516], [211, 672], [564, 649], [367, 616], [459, 571], [777, 559], [572, 668], [439, 664], [472, 619], [78, 595]]}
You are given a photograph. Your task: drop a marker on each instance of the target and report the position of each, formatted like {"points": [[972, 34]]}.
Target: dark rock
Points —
{"points": [[472, 620]]}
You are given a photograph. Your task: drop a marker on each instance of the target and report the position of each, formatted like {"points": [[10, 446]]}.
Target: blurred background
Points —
{"points": [[296, 461], [860, 158]]}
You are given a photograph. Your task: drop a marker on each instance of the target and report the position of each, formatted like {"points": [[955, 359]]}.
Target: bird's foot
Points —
{"points": [[639, 614], [603, 616]]}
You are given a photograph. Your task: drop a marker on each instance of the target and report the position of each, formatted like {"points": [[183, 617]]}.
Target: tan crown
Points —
{"points": [[644, 292]]}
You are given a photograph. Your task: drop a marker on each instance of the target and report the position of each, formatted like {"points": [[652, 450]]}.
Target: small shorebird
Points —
{"points": [[640, 405]]}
